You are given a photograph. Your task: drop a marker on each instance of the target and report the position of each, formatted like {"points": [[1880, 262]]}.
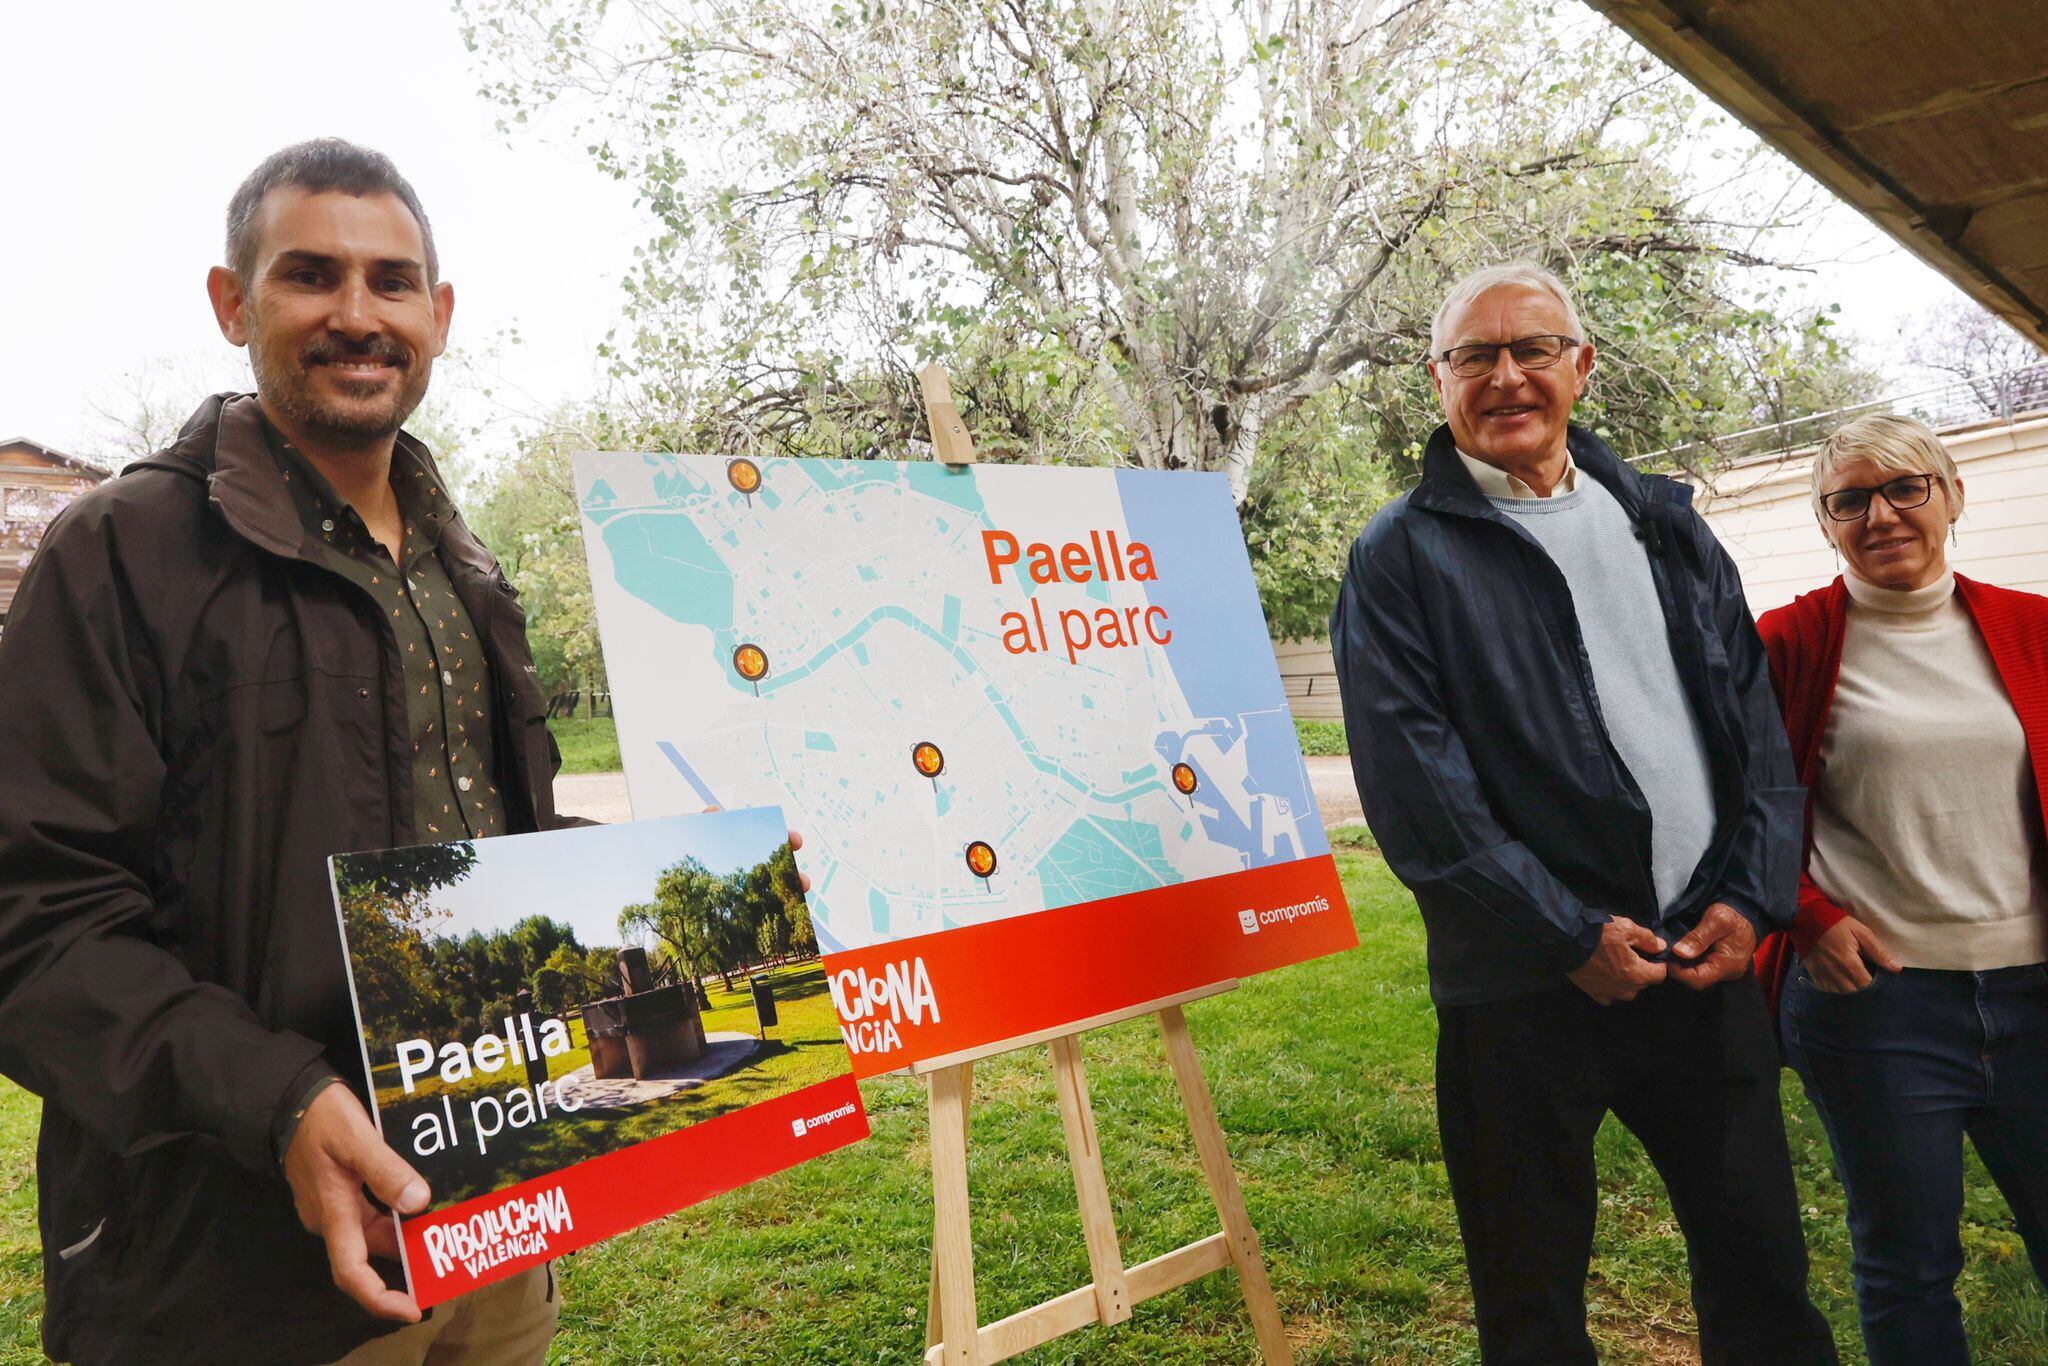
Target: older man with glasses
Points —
{"points": [[1562, 727]]}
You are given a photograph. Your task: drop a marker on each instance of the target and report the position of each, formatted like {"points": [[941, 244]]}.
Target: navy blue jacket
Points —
{"points": [[1476, 737]]}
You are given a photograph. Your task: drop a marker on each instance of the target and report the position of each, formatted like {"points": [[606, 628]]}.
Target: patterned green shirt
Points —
{"points": [[447, 680]]}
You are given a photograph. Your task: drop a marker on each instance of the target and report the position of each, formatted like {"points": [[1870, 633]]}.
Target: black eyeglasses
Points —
{"points": [[1905, 492], [1531, 353]]}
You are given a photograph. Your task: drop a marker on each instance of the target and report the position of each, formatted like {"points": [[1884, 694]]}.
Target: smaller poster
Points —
{"points": [[571, 1034]]}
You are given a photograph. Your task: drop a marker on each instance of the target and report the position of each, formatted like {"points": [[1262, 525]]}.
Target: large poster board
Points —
{"points": [[1027, 720], [528, 1055]]}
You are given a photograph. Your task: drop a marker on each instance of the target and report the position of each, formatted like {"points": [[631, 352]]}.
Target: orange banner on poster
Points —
{"points": [[937, 994], [454, 1250]]}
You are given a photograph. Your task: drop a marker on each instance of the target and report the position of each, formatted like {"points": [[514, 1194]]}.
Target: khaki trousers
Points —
{"points": [[507, 1323]]}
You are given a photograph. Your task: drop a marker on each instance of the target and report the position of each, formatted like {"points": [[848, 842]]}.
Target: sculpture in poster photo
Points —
{"points": [[563, 1036], [988, 696]]}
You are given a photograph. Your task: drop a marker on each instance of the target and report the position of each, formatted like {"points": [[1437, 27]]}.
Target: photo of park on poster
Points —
{"points": [[532, 1002]]}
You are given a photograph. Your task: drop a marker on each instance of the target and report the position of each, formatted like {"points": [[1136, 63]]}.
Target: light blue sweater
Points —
{"points": [[1640, 697]]}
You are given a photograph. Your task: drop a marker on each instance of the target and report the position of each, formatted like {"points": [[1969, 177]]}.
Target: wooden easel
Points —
{"points": [[951, 445], [954, 1335]]}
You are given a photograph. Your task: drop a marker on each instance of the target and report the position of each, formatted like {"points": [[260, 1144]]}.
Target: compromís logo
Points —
{"points": [[873, 1008], [800, 1127], [1287, 915]]}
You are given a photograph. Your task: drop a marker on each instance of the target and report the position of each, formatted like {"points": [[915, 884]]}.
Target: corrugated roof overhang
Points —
{"points": [[1930, 116]]}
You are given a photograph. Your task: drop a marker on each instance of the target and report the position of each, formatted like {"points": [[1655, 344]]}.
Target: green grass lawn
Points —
{"points": [[1321, 737], [589, 744], [1322, 1076]]}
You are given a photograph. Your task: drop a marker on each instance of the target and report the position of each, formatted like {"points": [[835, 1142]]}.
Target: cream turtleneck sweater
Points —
{"points": [[1926, 822]]}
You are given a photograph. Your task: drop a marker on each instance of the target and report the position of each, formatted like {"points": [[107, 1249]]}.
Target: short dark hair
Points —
{"points": [[319, 166]]}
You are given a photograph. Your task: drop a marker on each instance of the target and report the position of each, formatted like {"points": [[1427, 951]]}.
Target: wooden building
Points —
{"points": [[36, 481]]}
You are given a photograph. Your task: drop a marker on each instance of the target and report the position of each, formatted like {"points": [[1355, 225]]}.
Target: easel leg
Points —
{"points": [[954, 1315], [933, 1333], [1084, 1153], [934, 1325], [1215, 1156]]}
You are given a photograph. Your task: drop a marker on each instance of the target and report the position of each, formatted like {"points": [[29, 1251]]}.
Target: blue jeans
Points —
{"points": [[1899, 1072]]}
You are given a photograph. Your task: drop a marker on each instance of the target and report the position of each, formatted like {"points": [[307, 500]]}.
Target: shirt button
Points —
{"points": [[462, 783], [362, 694], [327, 525], [447, 678]]}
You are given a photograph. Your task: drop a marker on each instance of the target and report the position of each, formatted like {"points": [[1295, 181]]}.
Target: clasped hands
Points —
{"points": [[1717, 949]]}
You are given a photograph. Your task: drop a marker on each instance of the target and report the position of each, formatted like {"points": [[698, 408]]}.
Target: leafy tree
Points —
{"points": [[386, 904], [533, 940], [141, 410], [774, 905], [689, 914], [566, 980], [784, 880], [645, 919], [1999, 367], [477, 976], [527, 515], [1182, 235], [1176, 223], [726, 925], [1309, 500], [601, 969]]}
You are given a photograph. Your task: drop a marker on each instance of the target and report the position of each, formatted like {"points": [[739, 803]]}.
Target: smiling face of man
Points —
{"points": [[1511, 417], [341, 321]]}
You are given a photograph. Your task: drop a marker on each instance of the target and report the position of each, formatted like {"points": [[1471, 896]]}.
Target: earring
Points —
{"points": [[1952, 538]]}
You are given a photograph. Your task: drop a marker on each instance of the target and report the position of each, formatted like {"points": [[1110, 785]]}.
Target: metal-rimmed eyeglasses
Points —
{"points": [[1903, 493], [1531, 353]]}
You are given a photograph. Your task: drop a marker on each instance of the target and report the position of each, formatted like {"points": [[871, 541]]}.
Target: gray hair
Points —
{"points": [[1896, 444], [317, 167], [1522, 274]]}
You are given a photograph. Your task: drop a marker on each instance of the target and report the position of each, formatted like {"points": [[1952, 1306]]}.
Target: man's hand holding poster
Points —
{"points": [[562, 1036], [1027, 718]]}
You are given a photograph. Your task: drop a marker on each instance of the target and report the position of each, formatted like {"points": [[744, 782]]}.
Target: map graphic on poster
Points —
{"points": [[982, 694]]}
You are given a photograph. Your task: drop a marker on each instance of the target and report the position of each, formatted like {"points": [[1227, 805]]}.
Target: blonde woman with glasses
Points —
{"points": [[1913, 1002]]}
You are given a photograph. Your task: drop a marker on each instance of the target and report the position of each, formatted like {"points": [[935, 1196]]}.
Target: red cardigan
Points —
{"points": [[1804, 642]]}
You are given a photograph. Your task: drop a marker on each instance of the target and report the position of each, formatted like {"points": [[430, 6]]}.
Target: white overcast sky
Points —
{"points": [[129, 124]]}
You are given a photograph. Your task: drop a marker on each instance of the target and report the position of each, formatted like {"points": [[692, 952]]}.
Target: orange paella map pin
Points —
{"points": [[751, 663], [744, 476], [981, 860]]}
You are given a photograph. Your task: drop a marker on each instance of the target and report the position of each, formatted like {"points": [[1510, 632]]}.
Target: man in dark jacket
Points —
{"points": [[272, 642], [1562, 728]]}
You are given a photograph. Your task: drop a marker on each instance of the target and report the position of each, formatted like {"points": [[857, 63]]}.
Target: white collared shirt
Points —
{"points": [[1495, 482]]}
